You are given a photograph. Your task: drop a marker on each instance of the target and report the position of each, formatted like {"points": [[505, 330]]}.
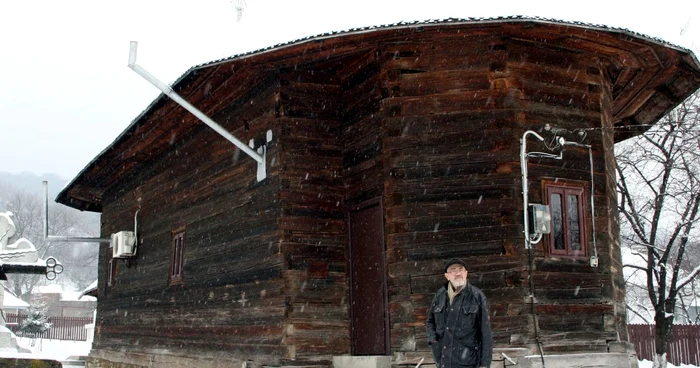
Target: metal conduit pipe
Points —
{"points": [[592, 191], [136, 231], [526, 231], [196, 112], [526, 234], [523, 171]]}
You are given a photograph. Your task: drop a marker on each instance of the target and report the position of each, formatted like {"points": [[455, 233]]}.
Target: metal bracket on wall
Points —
{"points": [[262, 151]]}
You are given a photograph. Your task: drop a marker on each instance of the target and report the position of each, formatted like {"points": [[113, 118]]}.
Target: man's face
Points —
{"points": [[457, 275]]}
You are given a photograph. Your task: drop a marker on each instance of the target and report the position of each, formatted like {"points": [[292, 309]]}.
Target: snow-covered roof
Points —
{"points": [[11, 301], [65, 295], [49, 289], [92, 287], [76, 296]]}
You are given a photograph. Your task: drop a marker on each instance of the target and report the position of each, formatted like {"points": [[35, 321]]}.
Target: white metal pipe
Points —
{"points": [[182, 102], [45, 212], [523, 171], [526, 231], [590, 163], [76, 239], [136, 232]]}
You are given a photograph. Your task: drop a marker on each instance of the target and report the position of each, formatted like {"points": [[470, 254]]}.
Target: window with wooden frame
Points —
{"points": [[567, 201], [177, 257]]}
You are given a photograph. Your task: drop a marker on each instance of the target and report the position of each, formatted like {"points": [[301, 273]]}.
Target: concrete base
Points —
{"points": [[597, 360], [620, 355], [370, 361]]}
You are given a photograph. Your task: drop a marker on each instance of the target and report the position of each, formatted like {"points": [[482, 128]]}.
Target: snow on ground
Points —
{"points": [[51, 349], [648, 364], [61, 349]]}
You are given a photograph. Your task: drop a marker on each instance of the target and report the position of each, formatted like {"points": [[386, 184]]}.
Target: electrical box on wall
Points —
{"points": [[123, 244], [540, 219]]}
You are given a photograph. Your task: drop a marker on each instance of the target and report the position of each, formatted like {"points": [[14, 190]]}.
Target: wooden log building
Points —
{"points": [[393, 149]]}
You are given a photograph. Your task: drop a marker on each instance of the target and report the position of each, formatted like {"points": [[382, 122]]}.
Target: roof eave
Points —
{"points": [[68, 196]]}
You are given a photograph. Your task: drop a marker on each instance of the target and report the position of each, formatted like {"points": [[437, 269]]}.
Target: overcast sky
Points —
{"points": [[66, 92]]}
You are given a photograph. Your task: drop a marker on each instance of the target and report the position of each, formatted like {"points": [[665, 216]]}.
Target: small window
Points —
{"points": [[177, 258], [568, 236]]}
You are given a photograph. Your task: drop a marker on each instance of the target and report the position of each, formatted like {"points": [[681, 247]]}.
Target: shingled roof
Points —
{"points": [[654, 79]]}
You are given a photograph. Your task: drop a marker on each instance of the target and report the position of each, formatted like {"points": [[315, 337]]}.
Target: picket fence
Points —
{"points": [[683, 346], [62, 328]]}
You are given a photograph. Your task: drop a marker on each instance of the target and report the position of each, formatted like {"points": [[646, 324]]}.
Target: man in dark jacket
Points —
{"points": [[458, 322]]}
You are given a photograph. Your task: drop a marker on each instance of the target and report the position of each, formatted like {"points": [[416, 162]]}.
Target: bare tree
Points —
{"points": [[659, 194], [79, 260]]}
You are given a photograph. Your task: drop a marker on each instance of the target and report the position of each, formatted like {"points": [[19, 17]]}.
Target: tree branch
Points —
{"points": [[635, 267], [629, 307]]}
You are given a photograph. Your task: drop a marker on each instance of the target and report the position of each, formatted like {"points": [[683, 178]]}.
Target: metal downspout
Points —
{"points": [[526, 232]]}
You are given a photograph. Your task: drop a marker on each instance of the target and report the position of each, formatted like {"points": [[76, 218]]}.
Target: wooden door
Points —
{"points": [[368, 281]]}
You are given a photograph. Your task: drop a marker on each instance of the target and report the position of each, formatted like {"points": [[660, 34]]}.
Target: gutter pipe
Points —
{"points": [[526, 230], [528, 242], [592, 191], [523, 171]]}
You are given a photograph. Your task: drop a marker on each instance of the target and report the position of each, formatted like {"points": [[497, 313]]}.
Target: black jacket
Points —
{"points": [[460, 334]]}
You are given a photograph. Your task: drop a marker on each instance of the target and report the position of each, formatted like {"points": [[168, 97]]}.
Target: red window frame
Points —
{"points": [[566, 190], [177, 258]]}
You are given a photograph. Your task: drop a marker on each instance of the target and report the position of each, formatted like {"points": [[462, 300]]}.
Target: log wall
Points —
{"points": [[430, 124], [231, 303], [312, 221], [451, 125]]}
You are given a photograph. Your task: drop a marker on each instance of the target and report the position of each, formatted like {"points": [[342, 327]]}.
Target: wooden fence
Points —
{"points": [[62, 328], [683, 346]]}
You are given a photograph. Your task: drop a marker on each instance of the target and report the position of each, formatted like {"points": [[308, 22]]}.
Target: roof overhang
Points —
{"points": [[650, 77]]}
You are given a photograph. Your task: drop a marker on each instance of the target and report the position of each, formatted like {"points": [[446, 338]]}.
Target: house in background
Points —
{"points": [[689, 313], [16, 256], [11, 304], [61, 303], [392, 149], [90, 291]]}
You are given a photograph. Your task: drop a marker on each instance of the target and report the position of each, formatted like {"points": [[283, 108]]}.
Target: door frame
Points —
{"points": [[385, 283]]}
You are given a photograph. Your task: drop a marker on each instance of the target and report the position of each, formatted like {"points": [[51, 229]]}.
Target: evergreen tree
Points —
{"points": [[37, 322]]}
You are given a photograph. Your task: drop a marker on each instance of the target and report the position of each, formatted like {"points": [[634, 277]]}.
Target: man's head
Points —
{"points": [[456, 272]]}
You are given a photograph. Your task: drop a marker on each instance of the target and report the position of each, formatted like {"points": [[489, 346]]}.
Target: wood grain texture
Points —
{"points": [[428, 120]]}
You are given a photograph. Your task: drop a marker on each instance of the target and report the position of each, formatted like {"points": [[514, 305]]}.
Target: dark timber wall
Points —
{"points": [[452, 126], [312, 219], [426, 119], [231, 303]]}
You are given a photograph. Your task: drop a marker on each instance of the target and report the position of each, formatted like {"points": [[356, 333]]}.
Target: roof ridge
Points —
{"points": [[433, 22]]}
